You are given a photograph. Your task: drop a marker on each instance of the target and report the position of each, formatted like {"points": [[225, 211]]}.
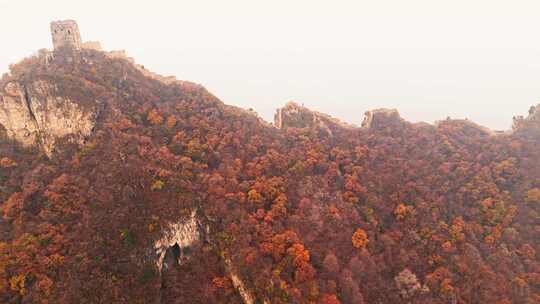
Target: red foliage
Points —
{"points": [[321, 214]]}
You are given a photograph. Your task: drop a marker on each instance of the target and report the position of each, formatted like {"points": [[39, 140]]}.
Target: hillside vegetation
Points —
{"points": [[311, 213]]}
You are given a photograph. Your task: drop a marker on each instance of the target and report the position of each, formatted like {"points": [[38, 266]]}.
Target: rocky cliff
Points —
{"points": [[35, 114]]}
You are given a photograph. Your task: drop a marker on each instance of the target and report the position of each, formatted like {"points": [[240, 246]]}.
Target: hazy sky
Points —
{"points": [[429, 58]]}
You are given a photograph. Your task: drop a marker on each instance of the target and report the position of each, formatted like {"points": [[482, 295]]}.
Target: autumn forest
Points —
{"points": [[392, 212]]}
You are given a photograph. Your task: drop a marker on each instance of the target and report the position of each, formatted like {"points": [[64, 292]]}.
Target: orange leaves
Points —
{"points": [[300, 257], [270, 188], [154, 118], [440, 280], [360, 152], [446, 286], [527, 251], [352, 184], [289, 244], [7, 162], [456, 230], [447, 246], [299, 254], [402, 211], [13, 205], [490, 240], [276, 247], [125, 124], [254, 197], [223, 284], [171, 122], [278, 210], [4, 262], [329, 299], [360, 239], [533, 196]]}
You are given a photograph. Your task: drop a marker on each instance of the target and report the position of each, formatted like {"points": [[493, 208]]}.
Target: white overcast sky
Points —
{"points": [[476, 59]]}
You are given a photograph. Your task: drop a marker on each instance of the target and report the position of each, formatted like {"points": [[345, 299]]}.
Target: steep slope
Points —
{"points": [[128, 189]]}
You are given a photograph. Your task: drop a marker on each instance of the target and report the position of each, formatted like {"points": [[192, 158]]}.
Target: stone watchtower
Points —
{"points": [[65, 33]]}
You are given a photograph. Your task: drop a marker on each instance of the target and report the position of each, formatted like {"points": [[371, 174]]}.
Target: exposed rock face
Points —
{"points": [[380, 118], [182, 234], [239, 284], [34, 114], [293, 115]]}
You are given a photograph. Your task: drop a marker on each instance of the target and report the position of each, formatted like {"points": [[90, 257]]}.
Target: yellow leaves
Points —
{"points": [[157, 185], [195, 149], [506, 167], [533, 196], [360, 239], [127, 237], [87, 148], [17, 284]]}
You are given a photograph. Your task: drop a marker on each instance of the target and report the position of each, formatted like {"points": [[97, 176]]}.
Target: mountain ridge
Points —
{"points": [[175, 197]]}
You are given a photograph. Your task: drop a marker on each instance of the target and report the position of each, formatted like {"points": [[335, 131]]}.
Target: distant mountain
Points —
{"points": [[121, 186]]}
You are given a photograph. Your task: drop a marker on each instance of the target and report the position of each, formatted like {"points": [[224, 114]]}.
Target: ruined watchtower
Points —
{"points": [[65, 33]]}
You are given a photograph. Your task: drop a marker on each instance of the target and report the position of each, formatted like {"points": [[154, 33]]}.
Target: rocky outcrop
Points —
{"points": [[239, 284], [381, 118], [293, 115], [186, 233], [529, 125], [182, 234], [34, 115]]}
